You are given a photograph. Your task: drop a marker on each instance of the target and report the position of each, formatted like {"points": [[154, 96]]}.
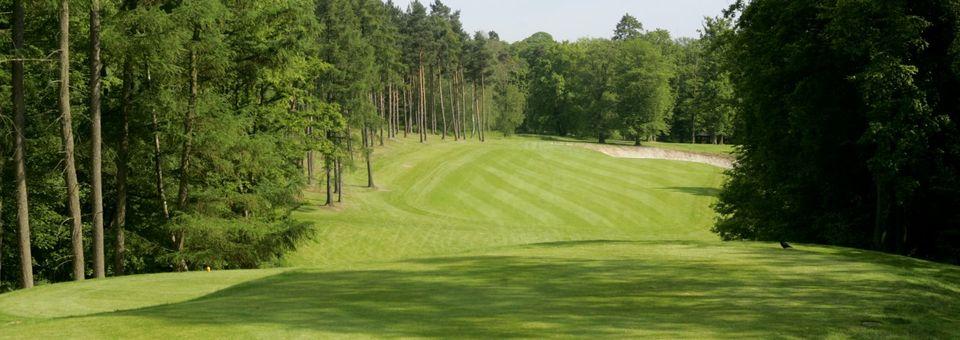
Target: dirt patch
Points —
{"points": [[646, 152]]}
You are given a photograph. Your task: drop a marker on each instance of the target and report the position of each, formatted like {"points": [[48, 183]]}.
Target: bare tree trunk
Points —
{"points": [[19, 110], [408, 110], [483, 109], [96, 139], [693, 127], [433, 101], [339, 170], [476, 114], [123, 157], [183, 192], [422, 100], [3, 163], [443, 108], [367, 135], [326, 165], [310, 170], [66, 120], [157, 155], [383, 114]]}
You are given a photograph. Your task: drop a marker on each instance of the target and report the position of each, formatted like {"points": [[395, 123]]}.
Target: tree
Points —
{"points": [[96, 139], [19, 126], [643, 89], [628, 28], [66, 121]]}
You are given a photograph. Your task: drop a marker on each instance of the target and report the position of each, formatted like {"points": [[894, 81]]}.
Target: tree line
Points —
{"points": [[638, 85]]}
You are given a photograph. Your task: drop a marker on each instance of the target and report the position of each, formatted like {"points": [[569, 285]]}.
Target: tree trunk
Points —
{"points": [[443, 108], [406, 111], [19, 109], [310, 170], [66, 120], [462, 87], [157, 155], [123, 157], [339, 170], [433, 101], [326, 165], [3, 161], [881, 221], [476, 114], [423, 102], [483, 109], [693, 127], [183, 191], [369, 132], [383, 114], [453, 106], [96, 139]]}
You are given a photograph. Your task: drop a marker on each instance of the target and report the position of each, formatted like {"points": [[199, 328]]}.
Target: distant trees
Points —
{"points": [[617, 88], [848, 125]]}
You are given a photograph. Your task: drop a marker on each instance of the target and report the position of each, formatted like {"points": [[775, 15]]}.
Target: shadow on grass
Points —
{"points": [[523, 296], [697, 191]]}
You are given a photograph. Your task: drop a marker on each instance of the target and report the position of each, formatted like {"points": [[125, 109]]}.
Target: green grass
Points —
{"points": [[516, 237]]}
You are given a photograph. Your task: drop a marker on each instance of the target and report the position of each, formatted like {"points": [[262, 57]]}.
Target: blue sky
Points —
{"points": [[572, 19]]}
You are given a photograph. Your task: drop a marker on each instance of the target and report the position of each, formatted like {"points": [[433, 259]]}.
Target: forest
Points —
{"points": [[150, 136]]}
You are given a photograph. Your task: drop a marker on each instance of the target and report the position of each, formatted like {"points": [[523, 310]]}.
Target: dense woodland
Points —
{"points": [[848, 119], [171, 135]]}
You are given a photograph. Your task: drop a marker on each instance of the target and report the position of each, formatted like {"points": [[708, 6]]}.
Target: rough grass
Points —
{"points": [[517, 238]]}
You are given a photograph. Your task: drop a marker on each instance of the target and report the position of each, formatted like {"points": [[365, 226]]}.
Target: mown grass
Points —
{"points": [[516, 237]]}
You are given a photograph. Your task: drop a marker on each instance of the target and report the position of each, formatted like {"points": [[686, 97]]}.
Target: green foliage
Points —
{"points": [[258, 66], [849, 125]]}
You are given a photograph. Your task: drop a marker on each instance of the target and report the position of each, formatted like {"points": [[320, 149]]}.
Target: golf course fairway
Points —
{"points": [[515, 237]]}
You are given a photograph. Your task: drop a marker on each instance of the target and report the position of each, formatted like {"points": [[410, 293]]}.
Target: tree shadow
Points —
{"points": [[524, 296], [696, 191]]}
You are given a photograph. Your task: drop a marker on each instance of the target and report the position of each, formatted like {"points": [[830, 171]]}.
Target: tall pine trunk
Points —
{"points": [[19, 124], [3, 163], [123, 160], [157, 154], [183, 192], [483, 109], [66, 121], [443, 108], [368, 144], [339, 171], [476, 114], [422, 101], [96, 140], [383, 113], [326, 166]]}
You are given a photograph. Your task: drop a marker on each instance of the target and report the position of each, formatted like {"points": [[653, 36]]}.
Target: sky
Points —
{"points": [[516, 20]]}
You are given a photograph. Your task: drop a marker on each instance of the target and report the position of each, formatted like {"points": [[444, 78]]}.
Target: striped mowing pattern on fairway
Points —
{"points": [[457, 197]]}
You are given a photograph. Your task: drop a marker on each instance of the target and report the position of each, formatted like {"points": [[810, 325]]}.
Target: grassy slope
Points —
{"points": [[452, 246]]}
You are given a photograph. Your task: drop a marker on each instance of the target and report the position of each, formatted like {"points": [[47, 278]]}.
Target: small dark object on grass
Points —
{"points": [[786, 245]]}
